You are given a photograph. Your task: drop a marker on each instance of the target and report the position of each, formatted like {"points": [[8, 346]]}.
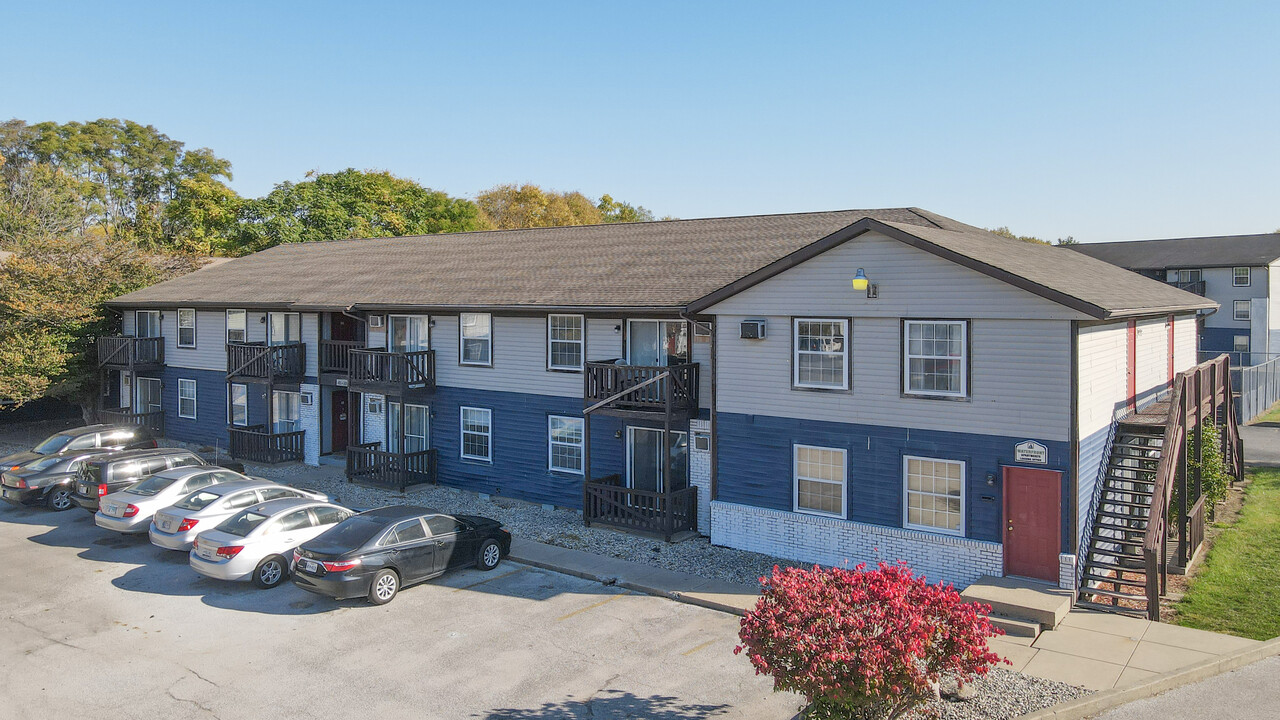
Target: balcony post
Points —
{"points": [[586, 465]]}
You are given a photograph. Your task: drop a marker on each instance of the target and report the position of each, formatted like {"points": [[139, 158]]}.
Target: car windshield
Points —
{"points": [[43, 463], [52, 445], [352, 532], [243, 524], [197, 500], [151, 485]]}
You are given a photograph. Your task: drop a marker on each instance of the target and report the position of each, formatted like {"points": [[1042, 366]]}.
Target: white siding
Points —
{"points": [[311, 340], [1185, 342], [256, 326], [1152, 355], [1103, 375], [701, 354], [1020, 379], [911, 283], [126, 323], [210, 352], [1273, 309]]}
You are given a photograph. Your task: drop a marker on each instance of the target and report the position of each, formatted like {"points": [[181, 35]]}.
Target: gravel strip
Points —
{"points": [[1003, 694]]}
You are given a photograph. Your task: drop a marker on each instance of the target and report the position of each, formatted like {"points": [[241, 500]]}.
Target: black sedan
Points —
{"points": [[377, 552]]}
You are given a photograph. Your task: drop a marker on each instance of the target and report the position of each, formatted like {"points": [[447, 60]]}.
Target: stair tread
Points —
{"points": [[1117, 553], [1113, 594], [1103, 607], [1113, 566], [1102, 578]]}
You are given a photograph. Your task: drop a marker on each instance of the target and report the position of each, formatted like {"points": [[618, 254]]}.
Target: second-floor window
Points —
{"points": [[146, 323], [935, 358], [409, 333], [237, 326], [1241, 310], [186, 328], [284, 328], [475, 339], [821, 353], [565, 339], [1240, 277]]}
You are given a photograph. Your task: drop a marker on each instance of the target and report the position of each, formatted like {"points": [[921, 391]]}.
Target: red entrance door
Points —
{"points": [[338, 420], [1032, 522]]}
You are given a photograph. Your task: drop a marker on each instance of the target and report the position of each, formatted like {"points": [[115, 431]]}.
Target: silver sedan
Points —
{"points": [[176, 527], [257, 544], [130, 510]]}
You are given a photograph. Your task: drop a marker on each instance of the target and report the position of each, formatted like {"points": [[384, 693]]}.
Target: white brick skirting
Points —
{"points": [[700, 476], [1067, 571], [309, 416], [831, 541], [375, 424]]}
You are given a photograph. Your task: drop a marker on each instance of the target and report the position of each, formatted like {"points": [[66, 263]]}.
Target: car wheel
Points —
{"points": [[384, 587], [270, 572], [59, 499], [489, 555]]}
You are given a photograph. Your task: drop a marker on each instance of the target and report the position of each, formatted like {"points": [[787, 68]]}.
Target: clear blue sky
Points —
{"points": [[1105, 121]]}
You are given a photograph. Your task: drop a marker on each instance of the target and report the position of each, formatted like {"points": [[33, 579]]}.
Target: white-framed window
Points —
{"points": [[565, 340], [1187, 275], [933, 490], [475, 339], [284, 328], [564, 443], [1241, 343], [126, 390], [146, 323], [408, 333], [417, 428], [820, 474], [284, 405], [935, 358], [187, 399], [477, 433], [237, 326], [237, 404], [1240, 310], [821, 353], [1240, 277], [186, 328]]}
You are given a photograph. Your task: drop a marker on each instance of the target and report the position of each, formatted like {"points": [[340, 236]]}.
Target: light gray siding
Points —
{"points": [[1219, 288], [1152, 356], [311, 339], [1185, 342]]}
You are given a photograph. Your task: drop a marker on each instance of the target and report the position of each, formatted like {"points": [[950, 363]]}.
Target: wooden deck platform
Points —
{"points": [[1154, 414]]}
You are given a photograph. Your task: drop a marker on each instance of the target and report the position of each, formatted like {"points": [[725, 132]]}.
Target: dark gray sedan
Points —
{"points": [[47, 480]]}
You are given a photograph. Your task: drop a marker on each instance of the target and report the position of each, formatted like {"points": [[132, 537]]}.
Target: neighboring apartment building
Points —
{"points": [[1239, 272], [827, 387]]}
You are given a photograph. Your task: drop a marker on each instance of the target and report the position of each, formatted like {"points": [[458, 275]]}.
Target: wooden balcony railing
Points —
{"points": [[609, 502], [378, 370], [255, 444], [1194, 286], [367, 465], [641, 388], [118, 351], [1199, 396], [153, 421], [335, 355], [266, 362]]}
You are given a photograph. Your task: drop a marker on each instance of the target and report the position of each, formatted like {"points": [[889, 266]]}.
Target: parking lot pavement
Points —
{"points": [[99, 625]]}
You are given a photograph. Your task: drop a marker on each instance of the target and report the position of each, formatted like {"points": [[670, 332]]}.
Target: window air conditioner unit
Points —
{"points": [[751, 330], [375, 321], [375, 405], [306, 398]]}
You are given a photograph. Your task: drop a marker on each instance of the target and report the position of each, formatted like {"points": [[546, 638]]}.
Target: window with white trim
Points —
{"points": [[237, 326], [238, 404], [186, 328], [417, 428], [126, 390], [1241, 343], [564, 439], [935, 358], [934, 493], [285, 409], [475, 339], [821, 353], [1240, 310], [1240, 277], [565, 339], [820, 480], [477, 433], [187, 399]]}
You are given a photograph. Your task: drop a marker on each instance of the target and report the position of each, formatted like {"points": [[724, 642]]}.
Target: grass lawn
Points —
{"points": [[1270, 416], [1238, 589]]}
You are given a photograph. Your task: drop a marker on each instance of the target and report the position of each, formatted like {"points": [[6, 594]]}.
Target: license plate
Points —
{"points": [[207, 553], [84, 489], [113, 509], [310, 566], [167, 526]]}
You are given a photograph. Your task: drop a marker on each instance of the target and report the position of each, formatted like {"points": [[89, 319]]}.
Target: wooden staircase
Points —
{"points": [[1115, 575]]}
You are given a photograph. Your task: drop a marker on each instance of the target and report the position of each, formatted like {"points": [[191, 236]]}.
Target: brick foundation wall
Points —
{"points": [[700, 476]]}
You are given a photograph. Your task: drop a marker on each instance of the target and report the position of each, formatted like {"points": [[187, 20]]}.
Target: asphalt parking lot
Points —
{"points": [[96, 625]]}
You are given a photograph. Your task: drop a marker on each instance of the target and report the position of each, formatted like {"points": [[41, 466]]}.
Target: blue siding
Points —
{"points": [[755, 467], [1092, 459], [1220, 340], [210, 424]]}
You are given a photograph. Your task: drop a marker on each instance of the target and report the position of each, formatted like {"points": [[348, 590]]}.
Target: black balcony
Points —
{"points": [[153, 421], [612, 388], [255, 362], [392, 373], [367, 465], [130, 353], [335, 355], [255, 444], [609, 502]]}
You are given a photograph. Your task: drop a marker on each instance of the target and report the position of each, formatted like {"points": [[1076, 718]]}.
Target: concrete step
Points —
{"points": [[1016, 627], [1025, 600]]}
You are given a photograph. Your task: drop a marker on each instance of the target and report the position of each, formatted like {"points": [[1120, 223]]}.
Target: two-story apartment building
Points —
{"points": [[1238, 272], [829, 387]]}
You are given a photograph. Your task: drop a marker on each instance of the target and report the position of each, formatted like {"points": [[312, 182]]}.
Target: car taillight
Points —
{"points": [[130, 510], [342, 566], [102, 489], [229, 551], [187, 524], [21, 484], [297, 557]]}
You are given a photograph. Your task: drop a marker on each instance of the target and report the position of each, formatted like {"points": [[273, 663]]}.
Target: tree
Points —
{"points": [[350, 204], [1004, 231], [509, 207], [856, 641], [612, 211]]}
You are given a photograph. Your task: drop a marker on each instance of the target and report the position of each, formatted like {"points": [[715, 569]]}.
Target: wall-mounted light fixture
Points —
{"points": [[617, 434], [262, 319], [617, 328], [991, 479], [861, 283], [431, 322]]}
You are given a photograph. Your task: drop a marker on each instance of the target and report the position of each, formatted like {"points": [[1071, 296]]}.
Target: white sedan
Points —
{"points": [[176, 527], [130, 510], [258, 543]]}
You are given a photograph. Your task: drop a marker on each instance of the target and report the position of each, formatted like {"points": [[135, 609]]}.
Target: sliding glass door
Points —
{"points": [[657, 342], [646, 469]]}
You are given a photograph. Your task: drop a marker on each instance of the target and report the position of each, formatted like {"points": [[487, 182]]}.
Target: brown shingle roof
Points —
{"points": [[666, 264]]}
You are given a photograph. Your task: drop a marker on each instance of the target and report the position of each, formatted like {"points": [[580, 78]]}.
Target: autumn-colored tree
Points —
{"points": [[510, 207], [613, 211], [350, 204]]}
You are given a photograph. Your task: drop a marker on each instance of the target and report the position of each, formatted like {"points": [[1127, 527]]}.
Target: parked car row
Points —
{"points": [[240, 528]]}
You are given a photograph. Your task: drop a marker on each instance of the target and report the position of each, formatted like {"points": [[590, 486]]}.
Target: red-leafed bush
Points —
{"points": [[865, 642]]}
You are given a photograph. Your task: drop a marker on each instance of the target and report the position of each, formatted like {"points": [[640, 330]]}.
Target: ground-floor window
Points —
{"points": [[416, 428], [1241, 343], [564, 437], [477, 433], [238, 404], [284, 406], [126, 389], [149, 398], [820, 480], [187, 399], [934, 492]]}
